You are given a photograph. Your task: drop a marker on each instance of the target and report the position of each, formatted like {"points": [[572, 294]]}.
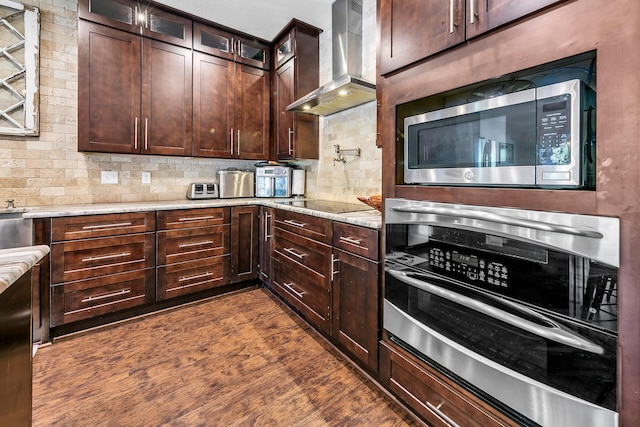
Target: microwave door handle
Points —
{"points": [[552, 332], [499, 219]]}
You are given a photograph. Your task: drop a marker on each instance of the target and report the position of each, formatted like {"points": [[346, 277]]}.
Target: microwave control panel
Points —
{"points": [[471, 267], [554, 130]]}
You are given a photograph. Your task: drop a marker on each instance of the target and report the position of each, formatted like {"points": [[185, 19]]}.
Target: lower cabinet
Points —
{"points": [[302, 269], [328, 271], [194, 249], [434, 398], [101, 264], [245, 248], [266, 244], [355, 325]]}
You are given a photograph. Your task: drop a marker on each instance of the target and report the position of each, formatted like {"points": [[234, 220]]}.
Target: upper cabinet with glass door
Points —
{"points": [[224, 44], [145, 20]]}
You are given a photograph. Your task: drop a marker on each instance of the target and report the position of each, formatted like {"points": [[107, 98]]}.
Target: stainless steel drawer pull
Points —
{"points": [[197, 276], [296, 293], [295, 223], [197, 218], [97, 227], [451, 11], [439, 413], [294, 253], [351, 241], [99, 297], [105, 257], [190, 245]]}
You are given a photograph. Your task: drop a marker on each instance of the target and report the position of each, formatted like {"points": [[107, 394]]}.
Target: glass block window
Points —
{"points": [[19, 45]]}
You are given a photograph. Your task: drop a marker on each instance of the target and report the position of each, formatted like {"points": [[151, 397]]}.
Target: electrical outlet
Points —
{"points": [[146, 177], [109, 177]]}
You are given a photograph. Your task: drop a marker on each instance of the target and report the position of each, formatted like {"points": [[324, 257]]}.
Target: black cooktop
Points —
{"points": [[327, 206]]}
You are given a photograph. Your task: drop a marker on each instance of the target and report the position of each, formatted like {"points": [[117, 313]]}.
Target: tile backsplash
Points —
{"points": [[48, 170]]}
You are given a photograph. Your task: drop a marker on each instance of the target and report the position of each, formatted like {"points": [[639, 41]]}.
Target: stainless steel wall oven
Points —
{"points": [[518, 306]]}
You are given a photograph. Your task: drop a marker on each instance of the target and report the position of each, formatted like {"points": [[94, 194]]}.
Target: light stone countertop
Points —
{"points": [[17, 261], [367, 218]]}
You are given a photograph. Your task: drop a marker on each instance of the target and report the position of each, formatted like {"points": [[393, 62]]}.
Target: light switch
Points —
{"points": [[146, 177]]}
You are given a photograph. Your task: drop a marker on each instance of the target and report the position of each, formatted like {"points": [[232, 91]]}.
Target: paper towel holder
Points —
{"points": [[297, 182]]}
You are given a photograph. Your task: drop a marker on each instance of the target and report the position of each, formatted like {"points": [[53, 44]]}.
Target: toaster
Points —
{"points": [[235, 183], [202, 190]]}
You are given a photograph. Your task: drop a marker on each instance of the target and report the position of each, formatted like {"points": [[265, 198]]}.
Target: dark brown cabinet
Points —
{"points": [[193, 251], [301, 263], [231, 109], [224, 44], [101, 264], [355, 274], [296, 59], [245, 247], [135, 93], [266, 243], [135, 18], [433, 398], [411, 30]]}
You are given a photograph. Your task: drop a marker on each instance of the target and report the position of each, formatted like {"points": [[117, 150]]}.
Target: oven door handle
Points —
{"points": [[499, 219], [552, 332]]}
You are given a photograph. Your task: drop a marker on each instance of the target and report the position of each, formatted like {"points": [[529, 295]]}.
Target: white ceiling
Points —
{"points": [[260, 18]]}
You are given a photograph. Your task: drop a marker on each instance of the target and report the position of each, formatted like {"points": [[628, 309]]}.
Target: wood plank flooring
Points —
{"points": [[236, 360]]}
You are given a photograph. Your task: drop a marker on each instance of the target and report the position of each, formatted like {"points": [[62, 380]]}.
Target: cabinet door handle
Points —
{"points": [[231, 141], [267, 219], [99, 297], [190, 245], [294, 253], [290, 141], [97, 227], [135, 134], [351, 241], [196, 218], [472, 12], [451, 10], [238, 142], [196, 276], [334, 271], [439, 413], [146, 133], [105, 257], [295, 223], [290, 287]]}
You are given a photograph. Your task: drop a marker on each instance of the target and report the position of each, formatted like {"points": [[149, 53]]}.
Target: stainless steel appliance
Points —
{"points": [[518, 306], [202, 190], [535, 137], [236, 183], [273, 181]]}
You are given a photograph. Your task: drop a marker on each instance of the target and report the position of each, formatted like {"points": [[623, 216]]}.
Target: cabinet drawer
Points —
{"points": [[91, 226], [193, 243], [83, 259], [169, 220], [305, 225], [93, 297], [358, 240], [431, 397], [309, 253], [304, 290], [193, 276]]}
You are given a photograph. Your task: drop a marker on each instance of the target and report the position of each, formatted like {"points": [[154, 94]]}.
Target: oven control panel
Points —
{"points": [[469, 266]]}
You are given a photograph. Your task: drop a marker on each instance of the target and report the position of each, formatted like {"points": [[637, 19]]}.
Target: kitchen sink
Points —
{"points": [[15, 231]]}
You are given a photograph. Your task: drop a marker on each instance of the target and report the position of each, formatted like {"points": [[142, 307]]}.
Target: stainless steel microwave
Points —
{"points": [[538, 137]]}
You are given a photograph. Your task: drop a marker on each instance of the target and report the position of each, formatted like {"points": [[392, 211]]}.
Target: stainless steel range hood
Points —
{"points": [[347, 89]]}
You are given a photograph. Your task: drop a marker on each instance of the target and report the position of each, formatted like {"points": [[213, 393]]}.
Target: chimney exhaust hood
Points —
{"points": [[347, 89]]}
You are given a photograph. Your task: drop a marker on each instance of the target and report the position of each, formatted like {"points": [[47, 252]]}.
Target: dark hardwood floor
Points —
{"points": [[236, 360]]}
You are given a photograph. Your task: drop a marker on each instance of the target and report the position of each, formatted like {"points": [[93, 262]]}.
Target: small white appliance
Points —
{"points": [[273, 181]]}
